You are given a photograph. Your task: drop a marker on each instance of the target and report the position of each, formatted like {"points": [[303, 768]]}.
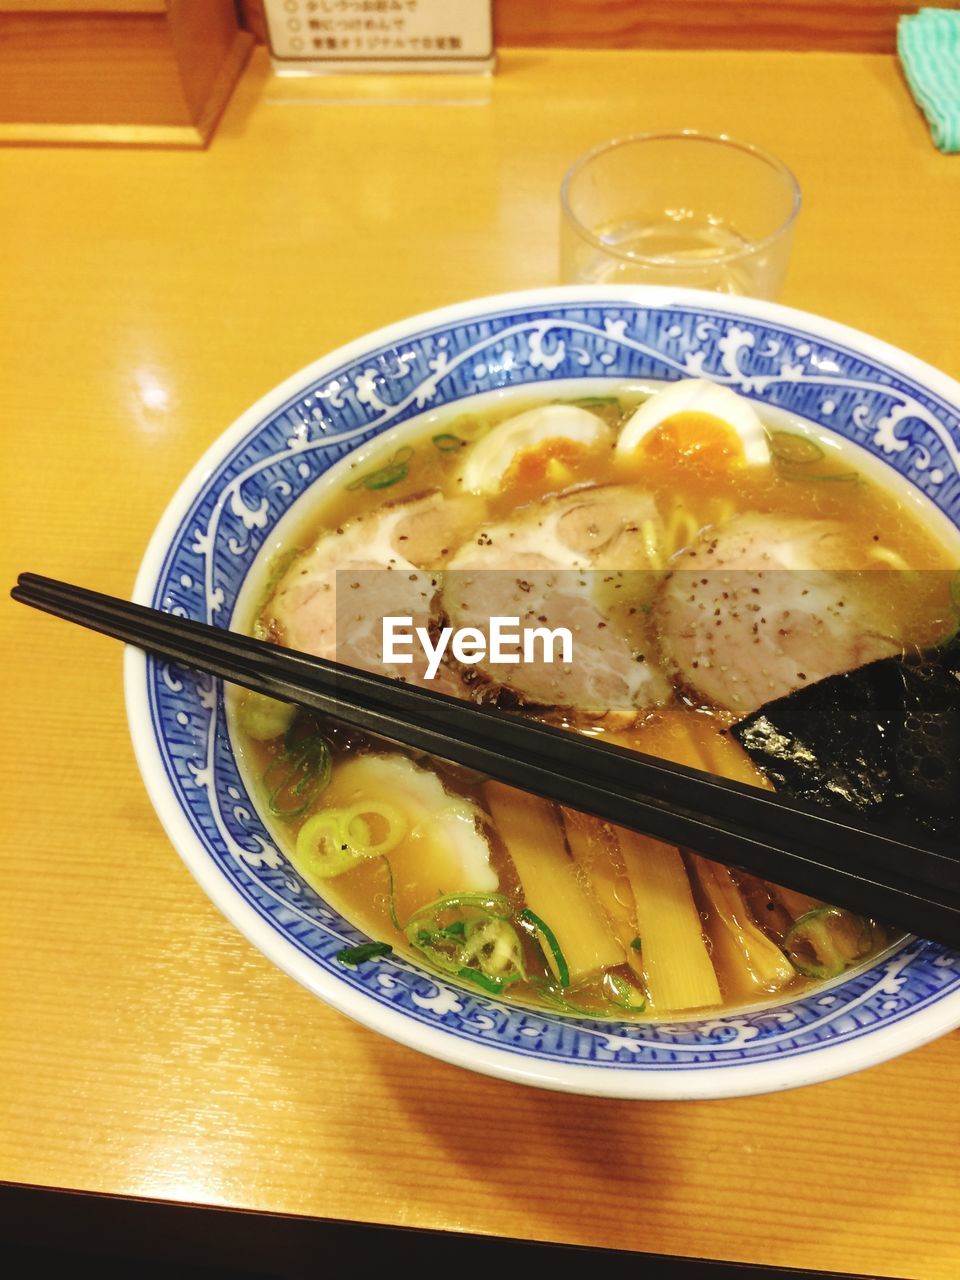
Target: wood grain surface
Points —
{"points": [[867, 26], [83, 6], [864, 26], [145, 1047], [89, 69], [150, 73]]}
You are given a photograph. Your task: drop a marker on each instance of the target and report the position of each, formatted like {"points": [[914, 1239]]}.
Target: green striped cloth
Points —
{"points": [[929, 46]]}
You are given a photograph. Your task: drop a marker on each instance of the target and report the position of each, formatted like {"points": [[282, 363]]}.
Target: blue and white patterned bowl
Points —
{"points": [[904, 413]]}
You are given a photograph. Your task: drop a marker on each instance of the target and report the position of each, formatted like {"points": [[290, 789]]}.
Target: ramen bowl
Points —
{"points": [[900, 412]]}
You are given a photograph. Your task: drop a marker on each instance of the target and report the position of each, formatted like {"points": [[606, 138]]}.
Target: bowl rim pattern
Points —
{"points": [[914, 425]]}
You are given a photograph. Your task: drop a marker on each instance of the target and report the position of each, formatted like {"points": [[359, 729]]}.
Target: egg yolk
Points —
{"points": [[695, 437], [553, 462]]}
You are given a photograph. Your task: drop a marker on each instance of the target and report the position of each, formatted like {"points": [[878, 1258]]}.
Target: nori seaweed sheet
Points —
{"points": [[883, 740]]}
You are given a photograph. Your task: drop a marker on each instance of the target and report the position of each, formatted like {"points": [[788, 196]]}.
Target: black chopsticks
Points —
{"points": [[914, 885]]}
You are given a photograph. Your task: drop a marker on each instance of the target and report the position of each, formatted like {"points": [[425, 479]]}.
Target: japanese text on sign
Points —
{"points": [[381, 31]]}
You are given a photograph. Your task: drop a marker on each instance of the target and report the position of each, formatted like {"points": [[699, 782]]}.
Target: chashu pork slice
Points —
{"points": [[767, 605], [559, 565], [332, 599]]}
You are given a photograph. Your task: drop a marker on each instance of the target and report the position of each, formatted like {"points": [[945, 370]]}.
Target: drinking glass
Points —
{"points": [[684, 208]]}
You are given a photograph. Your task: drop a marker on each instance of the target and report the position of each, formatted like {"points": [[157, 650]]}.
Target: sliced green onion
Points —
{"points": [[263, 718], [812, 948], [353, 956], [469, 427], [447, 442], [395, 470], [588, 402], [495, 947], [357, 828], [296, 776], [546, 940], [322, 849], [278, 567], [495, 904], [635, 943], [482, 946], [387, 477], [492, 985], [553, 995], [392, 897], [335, 840], [793, 449], [623, 993]]}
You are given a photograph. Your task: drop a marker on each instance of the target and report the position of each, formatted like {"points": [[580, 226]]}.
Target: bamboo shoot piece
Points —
{"points": [[675, 734], [677, 970], [797, 904], [597, 853], [529, 828], [750, 962], [724, 756], [764, 905]]}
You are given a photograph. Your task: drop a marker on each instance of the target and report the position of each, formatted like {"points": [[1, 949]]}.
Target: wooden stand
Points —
{"points": [[117, 72]]}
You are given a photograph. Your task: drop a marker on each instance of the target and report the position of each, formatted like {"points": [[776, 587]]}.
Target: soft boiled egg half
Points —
{"points": [[696, 416], [493, 455]]}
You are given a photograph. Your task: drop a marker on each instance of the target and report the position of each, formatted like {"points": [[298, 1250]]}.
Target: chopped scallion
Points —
{"points": [[622, 993], [826, 941], [546, 940], [470, 936], [322, 849], [263, 718], [353, 956], [794, 449], [395, 470], [553, 995], [298, 773], [447, 442], [336, 840]]}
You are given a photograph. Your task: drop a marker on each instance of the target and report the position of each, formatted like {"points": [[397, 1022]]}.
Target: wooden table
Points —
{"points": [[147, 1048]]}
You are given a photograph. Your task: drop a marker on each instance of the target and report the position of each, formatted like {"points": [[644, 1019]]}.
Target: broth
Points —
{"points": [[552, 907]]}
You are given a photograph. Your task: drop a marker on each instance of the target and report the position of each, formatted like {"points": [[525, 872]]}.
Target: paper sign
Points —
{"points": [[380, 35]]}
